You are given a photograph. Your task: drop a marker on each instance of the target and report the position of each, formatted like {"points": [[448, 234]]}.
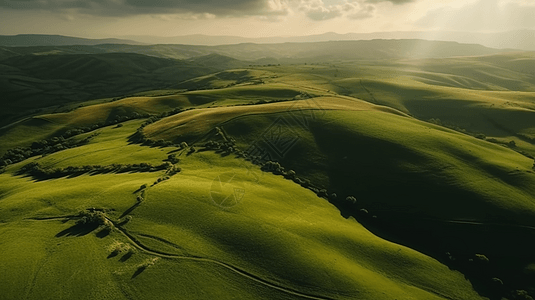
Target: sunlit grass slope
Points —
{"points": [[398, 168], [194, 124], [43, 126], [428, 169], [491, 95], [279, 241]]}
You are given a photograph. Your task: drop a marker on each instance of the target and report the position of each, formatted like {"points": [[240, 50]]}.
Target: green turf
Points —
{"points": [[281, 241], [284, 237]]}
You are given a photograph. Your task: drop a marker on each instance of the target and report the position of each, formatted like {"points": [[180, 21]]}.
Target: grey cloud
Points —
{"points": [[319, 14], [133, 7], [363, 13], [318, 11], [397, 2]]}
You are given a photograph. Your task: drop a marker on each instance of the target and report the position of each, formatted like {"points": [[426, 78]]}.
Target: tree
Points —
{"points": [[172, 158], [521, 295], [351, 200], [323, 193], [290, 174]]}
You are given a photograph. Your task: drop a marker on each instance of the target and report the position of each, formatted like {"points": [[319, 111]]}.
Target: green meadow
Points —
{"points": [[370, 179]]}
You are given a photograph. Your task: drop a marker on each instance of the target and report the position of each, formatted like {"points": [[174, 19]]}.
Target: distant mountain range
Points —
{"points": [[519, 39], [57, 40], [285, 53]]}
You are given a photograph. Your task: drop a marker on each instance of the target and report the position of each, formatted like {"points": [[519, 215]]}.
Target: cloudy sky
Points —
{"points": [[259, 18]]}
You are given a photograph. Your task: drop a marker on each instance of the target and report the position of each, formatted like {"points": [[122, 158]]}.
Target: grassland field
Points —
{"points": [[355, 129]]}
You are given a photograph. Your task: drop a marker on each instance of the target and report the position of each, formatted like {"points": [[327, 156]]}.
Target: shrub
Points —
{"points": [[290, 174], [92, 217], [521, 295], [481, 259], [172, 159], [322, 193], [126, 220], [147, 263], [174, 170], [351, 200]]}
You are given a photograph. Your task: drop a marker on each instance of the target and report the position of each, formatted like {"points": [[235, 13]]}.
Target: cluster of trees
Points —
{"points": [[161, 179], [226, 144], [227, 147], [172, 159], [527, 138], [437, 121], [44, 147], [140, 138], [119, 248], [479, 269], [166, 114], [93, 217], [141, 197], [35, 170], [350, 202], [173, 170], [62, 141]]}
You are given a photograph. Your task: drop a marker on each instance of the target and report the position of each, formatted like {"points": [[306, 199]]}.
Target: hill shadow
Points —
{"points": [[139, 271], [104, 232], [126, 256], [128, 211], [78, 230]]}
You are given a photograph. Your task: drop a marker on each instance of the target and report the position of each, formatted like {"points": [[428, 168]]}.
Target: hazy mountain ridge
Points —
{"points": [[280, 53], [57, 40], [519, 39]]}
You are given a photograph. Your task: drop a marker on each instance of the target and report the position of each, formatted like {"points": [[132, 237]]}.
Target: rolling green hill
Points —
{"points": [[369, 179], [56, 40], [279, 242], [33, 84]]}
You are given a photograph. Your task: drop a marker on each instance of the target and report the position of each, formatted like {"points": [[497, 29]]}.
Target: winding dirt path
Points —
{"points": [[234, 269]]}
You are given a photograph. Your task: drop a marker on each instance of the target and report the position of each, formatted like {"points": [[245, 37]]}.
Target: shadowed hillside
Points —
{"points": [[59, 82]]}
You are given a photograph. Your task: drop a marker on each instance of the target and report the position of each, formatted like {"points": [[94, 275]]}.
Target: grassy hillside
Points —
{"points": [[177, 236], [390, 179], [43, 126], [33, 84], [495, 98]]}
